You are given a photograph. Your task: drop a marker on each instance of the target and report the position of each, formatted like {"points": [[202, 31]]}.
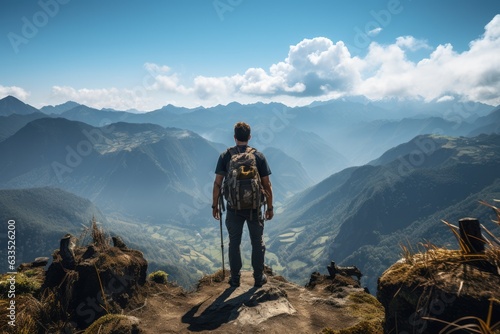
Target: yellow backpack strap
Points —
{"points": [[250, 150]]}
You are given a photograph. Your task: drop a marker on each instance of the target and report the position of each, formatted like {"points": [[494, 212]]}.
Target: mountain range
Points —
{"points": [[133, 168], [351, 179], [362, 214]]}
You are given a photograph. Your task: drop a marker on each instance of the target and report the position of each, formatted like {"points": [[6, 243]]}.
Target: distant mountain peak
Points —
{"points": [[10, 98], [11, 105], [60, 108]]}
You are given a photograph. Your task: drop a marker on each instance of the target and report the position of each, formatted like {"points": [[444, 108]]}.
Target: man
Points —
{"points": [[235, 219]]}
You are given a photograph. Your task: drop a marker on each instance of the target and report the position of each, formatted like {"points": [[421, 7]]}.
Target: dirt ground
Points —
{"points": [[277, 307]]}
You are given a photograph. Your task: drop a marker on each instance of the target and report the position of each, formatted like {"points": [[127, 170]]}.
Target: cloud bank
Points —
{"points": [[18, 92], [321, 69]]}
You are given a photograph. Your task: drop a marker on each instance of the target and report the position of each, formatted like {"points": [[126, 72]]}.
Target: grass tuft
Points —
{"points": [[159, 276], [471, 324]]}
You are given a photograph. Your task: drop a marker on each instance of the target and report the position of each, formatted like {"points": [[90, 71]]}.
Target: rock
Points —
{"points": [[102, 280], [263, 305], [440, 284], [66, 249], [276, 307], [118, 242], [350, 271], [39, 262], [115, 324]]}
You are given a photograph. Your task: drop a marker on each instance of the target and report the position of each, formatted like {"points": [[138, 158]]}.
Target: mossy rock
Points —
{"points": [[115, 324]]}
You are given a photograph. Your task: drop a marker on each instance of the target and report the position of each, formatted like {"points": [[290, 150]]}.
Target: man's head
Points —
{"points": [[242, 132]]}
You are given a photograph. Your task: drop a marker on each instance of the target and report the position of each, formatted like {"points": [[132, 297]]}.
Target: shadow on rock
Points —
{"points": [[220, 311]]}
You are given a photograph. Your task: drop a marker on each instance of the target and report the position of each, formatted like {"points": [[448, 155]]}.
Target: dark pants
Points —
{"points": [[234, 223]]}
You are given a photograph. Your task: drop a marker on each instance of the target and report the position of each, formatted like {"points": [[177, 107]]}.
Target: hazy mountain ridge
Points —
{"points": [[344, 132], [156, 178], [287, 173], [13, 123], [216, 124], [43, 216], [114, 166], [428, 229], [10, 105], [59, 109], [154, 184], [487, 124], [365, 205]]}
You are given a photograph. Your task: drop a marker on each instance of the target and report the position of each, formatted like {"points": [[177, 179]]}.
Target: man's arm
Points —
{"points": [[266, 184], [215, 195]]}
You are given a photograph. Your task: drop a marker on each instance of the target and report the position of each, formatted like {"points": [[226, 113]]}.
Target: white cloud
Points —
{"points": [[473, 74], [121, 99], [374, 32], [319, 69], [15, 91], [445, 98], [162, 80], [411, 43], [154, 69], [215, 89]]}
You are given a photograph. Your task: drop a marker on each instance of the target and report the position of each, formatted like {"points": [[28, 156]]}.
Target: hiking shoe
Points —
{"points": [[260, 281], [234, 281]]}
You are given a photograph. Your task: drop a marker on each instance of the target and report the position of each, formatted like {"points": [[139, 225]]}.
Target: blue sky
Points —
{"points": [[144, 55]]}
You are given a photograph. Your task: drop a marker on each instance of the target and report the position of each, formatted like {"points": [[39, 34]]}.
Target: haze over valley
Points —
{"points": [[347, 188]]}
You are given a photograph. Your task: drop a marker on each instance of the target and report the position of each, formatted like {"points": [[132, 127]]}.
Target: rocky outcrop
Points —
{"points": [[426, 292], [37, 263], [103, 288], [328, 305], [96, 279]]}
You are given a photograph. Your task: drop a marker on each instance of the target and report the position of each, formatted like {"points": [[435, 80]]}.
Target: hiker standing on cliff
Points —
{"points": [[242, 177]]}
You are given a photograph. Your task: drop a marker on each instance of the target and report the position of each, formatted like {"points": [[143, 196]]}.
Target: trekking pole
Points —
{"points": [[221, 207]]}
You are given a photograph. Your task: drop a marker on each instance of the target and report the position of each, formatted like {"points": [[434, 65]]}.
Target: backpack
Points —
{"points": [[242, 187]]}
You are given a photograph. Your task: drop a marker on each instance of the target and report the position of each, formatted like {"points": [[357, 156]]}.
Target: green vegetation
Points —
{"points": [[366, 308], [159, 276], [24, 284], [109, 322]]}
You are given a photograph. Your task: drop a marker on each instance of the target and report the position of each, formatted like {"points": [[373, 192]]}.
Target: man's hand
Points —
{"points": [[269, 214], [215, 196], [268, 188], [216, 212]]}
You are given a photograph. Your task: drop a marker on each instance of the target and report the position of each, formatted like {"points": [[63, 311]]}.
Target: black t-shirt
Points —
{"points": [[225, 157], [262, 167]]}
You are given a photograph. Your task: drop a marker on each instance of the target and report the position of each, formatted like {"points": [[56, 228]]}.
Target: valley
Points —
{"points": [[352, 181]]}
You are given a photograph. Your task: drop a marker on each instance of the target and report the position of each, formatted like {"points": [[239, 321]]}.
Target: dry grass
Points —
{"points": [[110, 323], [94, 234], [428, 255], [37, 315], [492, 241], [99, 237], [364, 327], [217, 277], [368, 310], [470, 324]]}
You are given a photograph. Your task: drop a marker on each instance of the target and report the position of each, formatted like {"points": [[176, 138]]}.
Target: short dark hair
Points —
{"points": [[242, 131]]}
